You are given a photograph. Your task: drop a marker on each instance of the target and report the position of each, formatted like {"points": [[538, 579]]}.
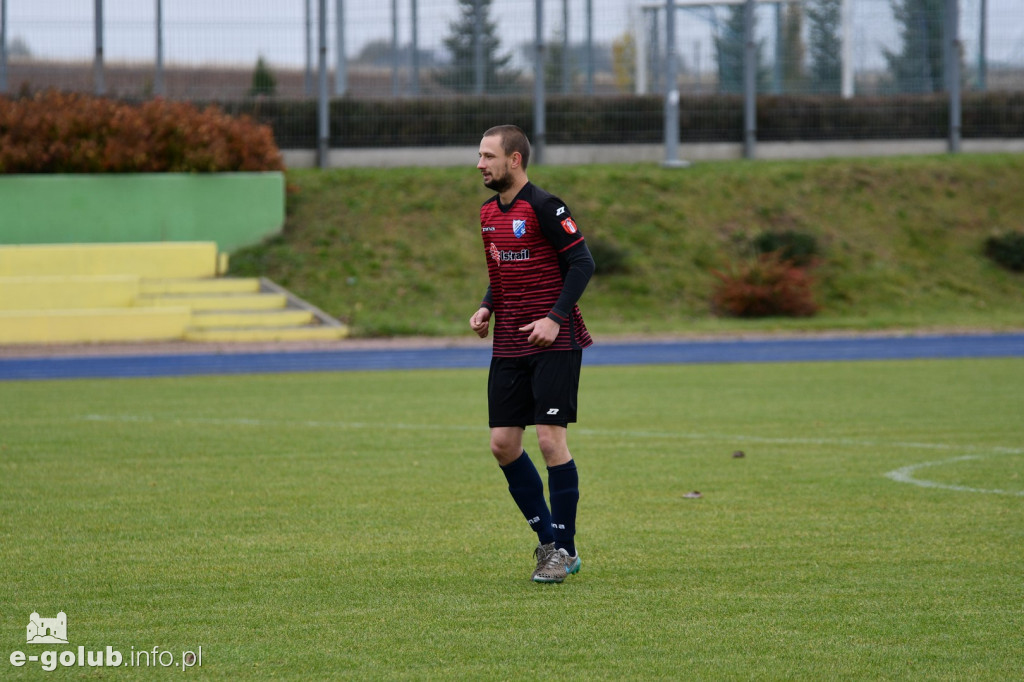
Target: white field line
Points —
{"points": [[901, 475]]}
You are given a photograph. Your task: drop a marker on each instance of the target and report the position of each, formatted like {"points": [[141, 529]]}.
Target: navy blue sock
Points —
{"points": [[564, 487], [528, 491]]}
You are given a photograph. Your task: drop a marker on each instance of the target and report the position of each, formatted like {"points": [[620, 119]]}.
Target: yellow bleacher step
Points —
{"points": [[247, 319], [199, 302], [220, 285], [310, 333], [93, 325]]}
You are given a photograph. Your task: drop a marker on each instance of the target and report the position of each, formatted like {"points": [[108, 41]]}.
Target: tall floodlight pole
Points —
{"points": [[539, 124], [322, 111], [97, 61], [671, 90], [341, 61], [749, 81], [414, 65], [953, 72], [158, 77], [3, 47]]}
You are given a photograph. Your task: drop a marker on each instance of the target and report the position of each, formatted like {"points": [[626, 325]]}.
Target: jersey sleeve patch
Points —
{"points": [[569, 226]]}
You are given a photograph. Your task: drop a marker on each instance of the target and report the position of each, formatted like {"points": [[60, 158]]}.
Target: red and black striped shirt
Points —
{"points": [[539, 265]]}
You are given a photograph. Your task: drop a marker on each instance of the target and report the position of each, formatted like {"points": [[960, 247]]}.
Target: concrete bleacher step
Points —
{"points": [[248, 319], [205, 285], [255, 334], [87, 293], [202, 302]]}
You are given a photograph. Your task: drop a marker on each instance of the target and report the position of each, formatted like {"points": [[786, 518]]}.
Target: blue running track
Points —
{"points": [[843, 348]]}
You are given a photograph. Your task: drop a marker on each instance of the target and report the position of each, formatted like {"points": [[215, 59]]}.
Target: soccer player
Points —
{"points": [[538, 265]]}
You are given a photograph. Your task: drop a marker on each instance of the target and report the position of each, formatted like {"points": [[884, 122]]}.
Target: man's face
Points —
{"points": [[493, 165]]}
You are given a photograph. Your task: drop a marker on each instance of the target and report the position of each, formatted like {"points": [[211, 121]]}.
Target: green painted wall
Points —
{"points": [[232, 209]]}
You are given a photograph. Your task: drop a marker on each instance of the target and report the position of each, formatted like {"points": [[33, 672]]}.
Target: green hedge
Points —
{"points": [[636, 119]]}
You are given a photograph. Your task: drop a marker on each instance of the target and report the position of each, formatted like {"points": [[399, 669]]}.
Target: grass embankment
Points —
{"points": [[397, 251]]}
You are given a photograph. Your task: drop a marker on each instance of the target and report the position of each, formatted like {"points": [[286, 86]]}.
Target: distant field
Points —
{"points": [[353, 525]]}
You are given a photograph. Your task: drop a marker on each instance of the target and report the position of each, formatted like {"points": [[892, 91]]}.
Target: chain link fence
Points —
{"points": [[443, 69]]}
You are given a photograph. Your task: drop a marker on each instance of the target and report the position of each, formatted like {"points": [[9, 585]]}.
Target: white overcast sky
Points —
{"points": [[237, 31]]}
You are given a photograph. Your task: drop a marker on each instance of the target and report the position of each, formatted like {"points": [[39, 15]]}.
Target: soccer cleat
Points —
{"points": [[541, 554], [555, 566]]}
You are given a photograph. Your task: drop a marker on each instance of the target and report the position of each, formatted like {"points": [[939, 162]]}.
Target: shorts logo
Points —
{"points": [[569, 226], [553, 411], [519, 228]]}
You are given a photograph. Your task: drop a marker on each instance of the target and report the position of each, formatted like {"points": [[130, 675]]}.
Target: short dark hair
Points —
{"points": [[513, 139]]}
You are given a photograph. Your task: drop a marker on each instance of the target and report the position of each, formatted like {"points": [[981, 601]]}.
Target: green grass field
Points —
{"points": [[354, 525]]}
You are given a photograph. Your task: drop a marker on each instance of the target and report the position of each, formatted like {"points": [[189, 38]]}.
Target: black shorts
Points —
{"points": [[534, 389]]}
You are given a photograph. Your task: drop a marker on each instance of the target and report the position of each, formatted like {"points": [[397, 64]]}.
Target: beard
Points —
{"points": [[497, 184]]}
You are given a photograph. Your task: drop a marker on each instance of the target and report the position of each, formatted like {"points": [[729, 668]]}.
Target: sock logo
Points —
{"points": [[535, 519], [559, 526]]}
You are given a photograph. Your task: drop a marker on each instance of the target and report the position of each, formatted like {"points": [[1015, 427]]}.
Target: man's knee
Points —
{"points": [[506, 445], [553, 445]]}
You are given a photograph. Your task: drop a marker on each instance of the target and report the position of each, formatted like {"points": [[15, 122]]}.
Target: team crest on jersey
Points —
{"points": [[569, 226], [519, 228]]}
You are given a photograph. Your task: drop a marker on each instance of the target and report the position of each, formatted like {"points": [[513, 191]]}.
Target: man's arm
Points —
{"points": [[580, 268], [480, 322], [580, 264]]}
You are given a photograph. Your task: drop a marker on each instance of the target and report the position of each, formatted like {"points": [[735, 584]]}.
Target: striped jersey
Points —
{"points": [[530, 246]]}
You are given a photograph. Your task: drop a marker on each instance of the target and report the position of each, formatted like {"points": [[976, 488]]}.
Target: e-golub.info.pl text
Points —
{"points": [[110, 658]]}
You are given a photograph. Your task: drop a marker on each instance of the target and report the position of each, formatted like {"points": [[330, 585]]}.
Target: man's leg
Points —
{"points": [[563, 485], [524, 483]]}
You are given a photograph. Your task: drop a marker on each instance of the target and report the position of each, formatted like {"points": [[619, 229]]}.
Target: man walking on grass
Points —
{"points": [[539, 266]]}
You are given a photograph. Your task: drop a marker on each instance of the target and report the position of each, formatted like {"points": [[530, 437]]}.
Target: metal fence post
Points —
{"points": [[671, 90], [749, 82], [952, 58], [478, 48], [539, 132], [97, 63], [322, 114], [341, 61], [414, 64], [158, 76], [3, 47], [308, 76], [394, 49], [590, 47]]}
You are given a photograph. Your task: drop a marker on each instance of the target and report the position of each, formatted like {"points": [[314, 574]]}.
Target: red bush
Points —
{"points": [[766, 287], [57, 132]]}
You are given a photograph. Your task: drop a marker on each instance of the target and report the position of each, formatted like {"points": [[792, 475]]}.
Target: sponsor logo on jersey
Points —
{"points": [[519, 228], [499, 256], [569, 226], [488, 229]]}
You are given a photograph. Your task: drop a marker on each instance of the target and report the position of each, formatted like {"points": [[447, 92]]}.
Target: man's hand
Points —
{"points": [[481, 322], [543, 332]]}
